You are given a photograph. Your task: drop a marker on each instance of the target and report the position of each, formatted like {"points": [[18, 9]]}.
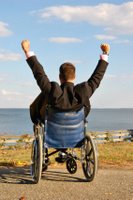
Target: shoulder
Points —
{"points": [[55, 85], [81, 86]]}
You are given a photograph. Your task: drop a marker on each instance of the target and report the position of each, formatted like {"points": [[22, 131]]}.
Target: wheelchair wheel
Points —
{"points": [[71, 165], [36, 166], [89, 163]]}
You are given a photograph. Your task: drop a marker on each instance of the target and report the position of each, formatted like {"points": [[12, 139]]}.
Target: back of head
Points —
{"points": [[67, 71]]}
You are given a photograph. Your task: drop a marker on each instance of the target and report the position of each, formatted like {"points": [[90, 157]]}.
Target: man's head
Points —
{"points": [[67, 72]]}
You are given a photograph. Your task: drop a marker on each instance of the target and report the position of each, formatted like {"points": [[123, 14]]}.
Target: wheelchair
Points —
{"points": [[64, 132]]}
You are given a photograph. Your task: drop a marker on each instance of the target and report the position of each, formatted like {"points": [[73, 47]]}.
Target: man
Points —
{"points": [[67, 96]]}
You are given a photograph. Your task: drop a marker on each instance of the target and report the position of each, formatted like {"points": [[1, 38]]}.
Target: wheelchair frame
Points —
{"points": [[88, 158]]}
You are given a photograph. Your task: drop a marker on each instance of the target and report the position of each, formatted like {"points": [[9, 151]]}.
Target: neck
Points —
{"points": [[68, 81]]}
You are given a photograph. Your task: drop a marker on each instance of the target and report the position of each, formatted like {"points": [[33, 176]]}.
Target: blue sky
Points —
{"points": [[62, 31]]}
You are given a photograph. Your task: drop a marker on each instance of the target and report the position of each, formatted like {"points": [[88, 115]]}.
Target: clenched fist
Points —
{"points": [[105, 48], [25, 45]]}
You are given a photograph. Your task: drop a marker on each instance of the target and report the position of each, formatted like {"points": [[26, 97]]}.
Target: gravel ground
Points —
{"points": [[58, 184]]}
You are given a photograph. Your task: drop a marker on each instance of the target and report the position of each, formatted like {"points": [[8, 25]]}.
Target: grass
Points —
{"points": [[111, 155], [117, 154], [15, 157]]}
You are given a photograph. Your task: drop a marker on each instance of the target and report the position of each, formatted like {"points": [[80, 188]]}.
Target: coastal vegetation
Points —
{"points": [[110, 154]]}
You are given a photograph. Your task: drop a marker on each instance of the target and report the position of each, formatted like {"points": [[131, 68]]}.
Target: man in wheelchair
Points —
{"points": [[63, 97]]}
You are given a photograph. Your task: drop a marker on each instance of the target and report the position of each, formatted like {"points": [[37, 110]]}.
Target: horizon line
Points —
{"points": [[91, 108]]}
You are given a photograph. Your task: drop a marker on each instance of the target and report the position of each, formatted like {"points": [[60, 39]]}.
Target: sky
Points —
{"points": [[66, 30]]}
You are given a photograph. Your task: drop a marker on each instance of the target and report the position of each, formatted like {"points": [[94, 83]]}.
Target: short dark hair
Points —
{"points": [[67, 71]]}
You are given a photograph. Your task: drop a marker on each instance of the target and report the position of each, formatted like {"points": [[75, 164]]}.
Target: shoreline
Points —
{"points": [[98, 136]]}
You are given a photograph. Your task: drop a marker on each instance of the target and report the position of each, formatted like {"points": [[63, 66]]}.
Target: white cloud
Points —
{"points": [[116, 19], [27, 84], [4, 31], [105, 37], [120, 76], [126, 41], [127, 76], [64, 40], [15, 99], [110, 76], [7, 56], [9, 93], [1, 79]]}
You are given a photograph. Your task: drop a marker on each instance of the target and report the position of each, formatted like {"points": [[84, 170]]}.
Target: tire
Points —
{"points": [[36, 166], [90, 161], [71, 165], [33, 158]]}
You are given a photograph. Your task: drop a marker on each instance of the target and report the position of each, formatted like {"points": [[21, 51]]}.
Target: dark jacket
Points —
{"points": [[67, 97]]}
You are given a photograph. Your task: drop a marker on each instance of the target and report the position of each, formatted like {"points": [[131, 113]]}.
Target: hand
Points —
{"points": [[105, 48], [25, 45]]}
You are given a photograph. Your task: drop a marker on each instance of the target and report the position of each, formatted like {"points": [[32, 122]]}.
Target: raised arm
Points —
{"points": [[96, 77], [25, 46], [37, 69]]}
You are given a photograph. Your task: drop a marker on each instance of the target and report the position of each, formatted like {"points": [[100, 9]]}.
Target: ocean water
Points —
{"points": [[110, 119], [17, 121]]}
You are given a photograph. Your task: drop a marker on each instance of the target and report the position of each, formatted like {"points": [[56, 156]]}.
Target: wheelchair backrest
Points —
{"points": [[64, 129]]}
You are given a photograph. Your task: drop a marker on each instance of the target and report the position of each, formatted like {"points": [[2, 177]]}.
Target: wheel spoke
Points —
{"points": [[88, 169], [90, 152]]}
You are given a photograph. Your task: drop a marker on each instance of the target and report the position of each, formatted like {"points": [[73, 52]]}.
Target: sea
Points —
{"points": [[17, 121]]}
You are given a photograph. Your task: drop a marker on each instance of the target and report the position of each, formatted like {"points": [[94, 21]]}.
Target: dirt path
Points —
{"points": [[58, 184]]}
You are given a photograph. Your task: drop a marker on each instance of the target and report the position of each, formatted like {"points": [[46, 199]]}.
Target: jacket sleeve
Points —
{"points": [[39, 74], [96, 77]]}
